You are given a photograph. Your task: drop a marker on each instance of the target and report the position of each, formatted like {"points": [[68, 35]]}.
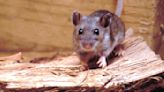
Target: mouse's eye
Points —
{"points": [[96, 31], [80, 31]]}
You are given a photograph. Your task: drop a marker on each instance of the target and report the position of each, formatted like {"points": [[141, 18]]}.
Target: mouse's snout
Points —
{"points": [[87, 45]]}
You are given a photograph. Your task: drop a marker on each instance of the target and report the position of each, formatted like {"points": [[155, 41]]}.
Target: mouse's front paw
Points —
{"points": [[119, 50], [102, 62]]}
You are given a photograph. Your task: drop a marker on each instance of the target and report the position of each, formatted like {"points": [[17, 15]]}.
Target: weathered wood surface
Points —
{"points": [[138, 62]]}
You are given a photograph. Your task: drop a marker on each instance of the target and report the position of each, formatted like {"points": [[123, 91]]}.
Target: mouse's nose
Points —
{"points": [[87, 45]]}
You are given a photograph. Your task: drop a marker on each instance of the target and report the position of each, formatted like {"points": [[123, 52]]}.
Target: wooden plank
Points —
{"points": [[51, 19]]}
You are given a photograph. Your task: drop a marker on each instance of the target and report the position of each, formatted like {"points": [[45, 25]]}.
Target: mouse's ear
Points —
{"points": [[76, 17], [105, 20]]}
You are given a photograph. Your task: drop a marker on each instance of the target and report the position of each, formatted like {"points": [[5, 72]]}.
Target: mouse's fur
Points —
{"points": [[97, 35]]}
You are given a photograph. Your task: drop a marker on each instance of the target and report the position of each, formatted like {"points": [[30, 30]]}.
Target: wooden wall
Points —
{"points": [[45, 25]]}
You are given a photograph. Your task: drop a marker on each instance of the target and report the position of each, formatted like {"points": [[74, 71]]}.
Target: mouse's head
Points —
{"points": [[89, 31]]}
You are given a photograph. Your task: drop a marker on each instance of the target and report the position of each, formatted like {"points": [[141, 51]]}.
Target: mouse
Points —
{"points": [[97, 35]]}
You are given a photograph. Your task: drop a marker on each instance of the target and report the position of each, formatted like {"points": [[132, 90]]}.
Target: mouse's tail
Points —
{"points": [[119, 7]]}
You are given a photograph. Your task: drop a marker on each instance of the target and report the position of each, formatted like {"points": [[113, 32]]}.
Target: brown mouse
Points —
{"points": [[97, 34]]}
